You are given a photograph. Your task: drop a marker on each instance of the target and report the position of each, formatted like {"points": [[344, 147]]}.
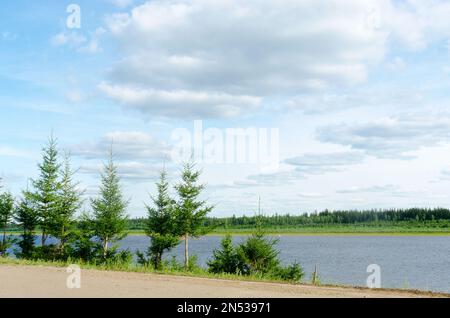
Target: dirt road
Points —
{"points": [[37, 281]]}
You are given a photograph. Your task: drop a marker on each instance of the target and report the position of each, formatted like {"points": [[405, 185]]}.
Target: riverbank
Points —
{"points": [[325, 231], [20, 280], [294, 232]]}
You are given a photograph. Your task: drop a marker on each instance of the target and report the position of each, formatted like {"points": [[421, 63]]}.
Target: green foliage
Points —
{"points": [[293, 273], [190, 211], [62, 225], [174, 266], [414, 217], [109, 210], [84, 246], [226, 260], [161, 224], [6, 214], [27, 218], [256, 256], [46, 188], [259, 254]]}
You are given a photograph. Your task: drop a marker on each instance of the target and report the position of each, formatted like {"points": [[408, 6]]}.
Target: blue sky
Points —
{"points": [[358, 91]]}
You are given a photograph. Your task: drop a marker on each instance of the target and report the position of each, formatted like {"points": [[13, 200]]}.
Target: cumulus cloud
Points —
{"points": [[127, 145], [89, 43], [385, 96], [391, 137], [128, 170], [261, 48], [252, 48], [180, 103], [304, 166], [372, 189], [321, 163]]}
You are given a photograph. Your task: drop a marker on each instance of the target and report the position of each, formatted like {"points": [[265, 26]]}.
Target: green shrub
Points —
{"points": [[259, 254], [293, 273], [226, 260]]}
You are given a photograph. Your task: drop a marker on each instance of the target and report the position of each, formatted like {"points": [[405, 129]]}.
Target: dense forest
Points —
{"points": [[375, 217]]}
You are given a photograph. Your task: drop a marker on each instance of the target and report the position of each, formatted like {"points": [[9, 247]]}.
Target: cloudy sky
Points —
{"points": [[358, 92]]}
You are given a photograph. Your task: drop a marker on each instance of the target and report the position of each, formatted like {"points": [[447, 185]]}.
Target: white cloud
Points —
{"points": [[121, 3], [127, 145], [261, 48], [320, 163], [372, 189], [390, 137], [397, 64], [72, 39], [128, 170], [236, 49], [180, 103], [8, 151], [79, 42], [93, 46], [310, 195]]}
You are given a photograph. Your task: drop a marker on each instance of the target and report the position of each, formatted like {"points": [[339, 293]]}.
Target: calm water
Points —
{"points": [[406, 262]]}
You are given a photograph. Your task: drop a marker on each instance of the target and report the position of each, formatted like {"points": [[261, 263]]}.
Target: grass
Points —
{"points": [[135, 268]]}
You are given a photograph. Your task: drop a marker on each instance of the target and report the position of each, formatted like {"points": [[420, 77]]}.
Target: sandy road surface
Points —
{"points": [[37, 281]]}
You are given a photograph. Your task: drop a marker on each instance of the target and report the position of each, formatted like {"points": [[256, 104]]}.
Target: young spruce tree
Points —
{"points": [[47, 188], [191, 212], [26, 218], [109, 209], [160, 225], [6, 214], [62, 225]]}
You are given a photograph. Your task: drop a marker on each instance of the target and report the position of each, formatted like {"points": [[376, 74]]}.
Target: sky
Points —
{"points": [[308, 104]]}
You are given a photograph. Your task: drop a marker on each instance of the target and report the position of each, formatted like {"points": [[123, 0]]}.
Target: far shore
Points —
{"points": [[282, 232]]}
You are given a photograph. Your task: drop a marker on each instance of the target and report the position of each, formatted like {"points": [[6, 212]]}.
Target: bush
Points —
{"points": [[259, 255], [114, 257], [226, 260], [6, 244], [174, 266], [293, 273], [256, 256]]}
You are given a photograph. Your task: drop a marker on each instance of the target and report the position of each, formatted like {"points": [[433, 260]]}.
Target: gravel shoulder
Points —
{"points": [[43, 281]]}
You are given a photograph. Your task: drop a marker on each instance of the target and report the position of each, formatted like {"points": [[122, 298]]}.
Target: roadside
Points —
{"points": [[45, 281]]}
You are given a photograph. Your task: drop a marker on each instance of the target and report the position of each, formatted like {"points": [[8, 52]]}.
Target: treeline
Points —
{"points": [[51, 206], [375, 217]]}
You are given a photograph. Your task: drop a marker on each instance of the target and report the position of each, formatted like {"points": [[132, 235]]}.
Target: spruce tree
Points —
{"points": [[227, 259], [109, 210], [27, 219], [160, 225], [62, 224], [6, 214], [46, 188], [191, 212]]}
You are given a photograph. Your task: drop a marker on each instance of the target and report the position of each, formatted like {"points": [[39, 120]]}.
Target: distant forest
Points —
{"points": [[436, 216]]}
